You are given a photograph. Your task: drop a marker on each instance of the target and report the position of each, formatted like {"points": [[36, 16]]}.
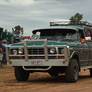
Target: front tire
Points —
{"points": [[72, 72], [20, 74]]}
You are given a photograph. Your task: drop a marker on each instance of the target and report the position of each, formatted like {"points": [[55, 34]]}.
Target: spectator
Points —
{"points": [[1, 55], [4, 52]]}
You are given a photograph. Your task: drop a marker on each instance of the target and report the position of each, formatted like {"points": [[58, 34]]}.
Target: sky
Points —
{"points": [[33, 14]]}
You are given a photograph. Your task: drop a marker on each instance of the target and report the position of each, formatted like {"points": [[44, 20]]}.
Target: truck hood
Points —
{"points": [[49, 43]]}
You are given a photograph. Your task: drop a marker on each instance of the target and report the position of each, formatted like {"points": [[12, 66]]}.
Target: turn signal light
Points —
{"points": [[61, 57]]}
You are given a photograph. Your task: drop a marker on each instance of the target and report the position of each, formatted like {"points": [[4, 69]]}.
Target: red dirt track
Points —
{"points": [[42, 82]]}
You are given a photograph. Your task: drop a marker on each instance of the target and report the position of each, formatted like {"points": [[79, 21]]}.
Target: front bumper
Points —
{"points": [[52, 62], [38, 65]]}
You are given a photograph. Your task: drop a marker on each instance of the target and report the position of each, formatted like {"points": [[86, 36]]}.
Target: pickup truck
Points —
{"points": [[61, 48]]}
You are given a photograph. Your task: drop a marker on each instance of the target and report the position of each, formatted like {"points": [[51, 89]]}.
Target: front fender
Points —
{"points": [[75, 55]]}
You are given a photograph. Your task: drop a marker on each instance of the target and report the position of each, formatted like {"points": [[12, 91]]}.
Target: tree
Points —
{"points": [[1, 31], [17, 32], [9, 37], [4, 35], [76, 19]]}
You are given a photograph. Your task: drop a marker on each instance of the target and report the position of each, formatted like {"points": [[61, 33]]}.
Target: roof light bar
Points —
{"points": [[68, 22]]}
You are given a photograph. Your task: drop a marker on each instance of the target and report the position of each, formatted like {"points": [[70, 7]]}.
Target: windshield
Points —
{"points": [[55, 34]]}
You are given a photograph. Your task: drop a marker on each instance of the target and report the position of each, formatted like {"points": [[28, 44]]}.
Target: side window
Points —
{"points": [[88, 33], [81, 34], [91, 33]]}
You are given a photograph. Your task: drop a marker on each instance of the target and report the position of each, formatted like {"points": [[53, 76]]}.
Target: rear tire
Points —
{"points": [[20, 74], [72, 72]]}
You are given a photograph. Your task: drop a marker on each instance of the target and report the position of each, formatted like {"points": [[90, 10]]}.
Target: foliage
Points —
{"points": [[76, 18], [1, 31], [6, 35], [17, 32]]}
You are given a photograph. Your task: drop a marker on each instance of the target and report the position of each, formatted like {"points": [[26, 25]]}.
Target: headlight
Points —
{"points": [[52, 50], [15, 52], [20, 51]]}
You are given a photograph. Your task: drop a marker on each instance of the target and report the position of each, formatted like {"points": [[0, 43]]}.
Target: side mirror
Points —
{"points": [[87, 38]]}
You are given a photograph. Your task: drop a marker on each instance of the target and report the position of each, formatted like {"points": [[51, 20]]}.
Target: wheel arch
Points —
{"points": [[75, 55]]}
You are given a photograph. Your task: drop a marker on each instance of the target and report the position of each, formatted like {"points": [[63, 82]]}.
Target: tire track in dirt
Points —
{"points": [[42, 82]]}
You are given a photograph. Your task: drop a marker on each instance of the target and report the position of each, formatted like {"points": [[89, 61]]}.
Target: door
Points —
{"points": [[88, 32], [83, 49]]}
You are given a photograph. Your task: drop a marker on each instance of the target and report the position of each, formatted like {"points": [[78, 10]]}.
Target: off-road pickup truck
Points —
{"points": [[61, 48]]}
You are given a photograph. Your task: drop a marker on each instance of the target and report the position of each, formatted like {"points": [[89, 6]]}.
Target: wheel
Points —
{"points": [[20, 74], [90, 72], [53, 74], [72, 72]]}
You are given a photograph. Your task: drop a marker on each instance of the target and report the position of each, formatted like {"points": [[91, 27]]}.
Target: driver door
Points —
{"points": [[83, 50]]}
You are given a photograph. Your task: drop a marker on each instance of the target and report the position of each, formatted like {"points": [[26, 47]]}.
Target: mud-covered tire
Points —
{"points": [[90, 72], [72, 72], [20, 74]]}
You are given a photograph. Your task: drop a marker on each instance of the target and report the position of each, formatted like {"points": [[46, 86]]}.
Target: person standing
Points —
{"points": [[1, 55]]}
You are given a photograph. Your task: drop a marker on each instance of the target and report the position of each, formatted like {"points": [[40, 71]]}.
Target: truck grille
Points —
{"points": [[33, 53], [36, 51]]}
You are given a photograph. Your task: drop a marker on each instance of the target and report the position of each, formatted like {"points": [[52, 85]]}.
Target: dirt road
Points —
{"points": [[42, 82]]}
